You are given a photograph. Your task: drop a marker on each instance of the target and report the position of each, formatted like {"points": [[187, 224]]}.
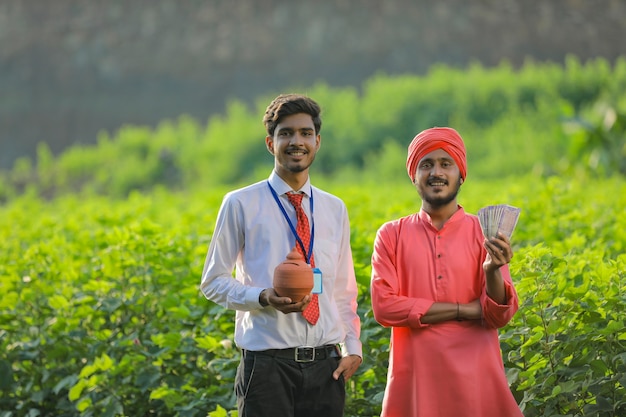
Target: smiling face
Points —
{"points": [[294, 145], [438, 180]]}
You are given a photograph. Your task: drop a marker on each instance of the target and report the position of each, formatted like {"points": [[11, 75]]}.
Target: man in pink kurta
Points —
{"points": [[445, 290]]}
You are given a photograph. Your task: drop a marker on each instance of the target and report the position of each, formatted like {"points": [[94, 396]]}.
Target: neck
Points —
{"points": [[440, 215], [295, 180]]}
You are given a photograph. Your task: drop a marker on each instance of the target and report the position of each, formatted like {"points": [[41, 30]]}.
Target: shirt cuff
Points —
{"points": [[420, 308], [352, 347], [252, 296]]}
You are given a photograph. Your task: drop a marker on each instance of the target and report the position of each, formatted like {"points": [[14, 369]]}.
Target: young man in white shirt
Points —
{"points": [[289, 366]]}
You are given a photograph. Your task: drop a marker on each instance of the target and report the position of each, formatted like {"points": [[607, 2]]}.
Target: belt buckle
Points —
{"points": [[305, 354]]}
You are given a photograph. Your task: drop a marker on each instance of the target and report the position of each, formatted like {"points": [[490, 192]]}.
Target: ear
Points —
{"points": [[461, 180], [269, 144]]}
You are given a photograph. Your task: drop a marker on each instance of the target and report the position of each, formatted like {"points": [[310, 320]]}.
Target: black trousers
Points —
{"points": [[271, 386]]}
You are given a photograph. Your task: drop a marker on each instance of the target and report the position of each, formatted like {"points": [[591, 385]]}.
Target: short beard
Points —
{"points": [[438, 202], [299, 168]]}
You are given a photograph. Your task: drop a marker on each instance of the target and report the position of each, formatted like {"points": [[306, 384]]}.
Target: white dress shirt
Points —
{"points": [[252, 237]]}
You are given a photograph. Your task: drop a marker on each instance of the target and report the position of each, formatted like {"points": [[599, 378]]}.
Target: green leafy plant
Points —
{"points": [[101, 312]]}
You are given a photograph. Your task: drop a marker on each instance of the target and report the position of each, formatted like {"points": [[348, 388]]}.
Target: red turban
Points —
{"points": [[434, 138]]}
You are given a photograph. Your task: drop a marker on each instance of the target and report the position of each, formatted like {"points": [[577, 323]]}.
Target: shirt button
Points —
{"points": [[439, 256], [439, 277]]}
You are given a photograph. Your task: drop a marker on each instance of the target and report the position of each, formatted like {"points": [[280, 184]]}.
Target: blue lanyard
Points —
{"points": [[293, 229]]}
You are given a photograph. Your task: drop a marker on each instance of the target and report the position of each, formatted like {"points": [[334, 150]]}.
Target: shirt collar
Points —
{"points": [[281, 187], [460, 213]]}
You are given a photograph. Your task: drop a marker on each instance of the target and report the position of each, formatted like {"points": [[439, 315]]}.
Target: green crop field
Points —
{"points": [[101, 312], [101, 248]]}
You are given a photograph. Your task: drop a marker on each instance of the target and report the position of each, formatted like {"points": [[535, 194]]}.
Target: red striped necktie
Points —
{"points": [[312, 311]]}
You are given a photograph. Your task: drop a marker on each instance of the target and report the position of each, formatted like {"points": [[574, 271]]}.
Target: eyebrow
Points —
{"points": [[291, 129], [443, 158]]}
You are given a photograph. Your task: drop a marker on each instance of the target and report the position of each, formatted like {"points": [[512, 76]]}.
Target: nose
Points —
{"points": [[436, 170], [296, 138]]}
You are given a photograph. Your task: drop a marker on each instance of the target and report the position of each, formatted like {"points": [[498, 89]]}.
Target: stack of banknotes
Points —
{"points": [[498, 218]]}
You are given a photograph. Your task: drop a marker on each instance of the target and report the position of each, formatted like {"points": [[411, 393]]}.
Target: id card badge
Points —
{"points": [[317, 281]]}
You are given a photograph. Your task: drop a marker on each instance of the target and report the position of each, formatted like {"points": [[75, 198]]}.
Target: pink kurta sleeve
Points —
{"points": [[389, 307], [498, 315]]}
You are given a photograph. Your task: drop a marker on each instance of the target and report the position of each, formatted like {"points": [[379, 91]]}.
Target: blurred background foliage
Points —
{"points": [[70, 68], [542, 119]]}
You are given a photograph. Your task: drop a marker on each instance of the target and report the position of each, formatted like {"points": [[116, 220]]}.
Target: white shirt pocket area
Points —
{"points": [[327, 257]]}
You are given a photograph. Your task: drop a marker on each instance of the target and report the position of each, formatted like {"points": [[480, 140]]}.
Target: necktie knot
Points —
{"points": [[295, 199]]}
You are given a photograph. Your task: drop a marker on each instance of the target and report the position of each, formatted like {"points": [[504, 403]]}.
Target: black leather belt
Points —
{"points": [[301, 353]]}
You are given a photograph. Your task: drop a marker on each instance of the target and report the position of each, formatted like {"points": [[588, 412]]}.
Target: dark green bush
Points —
{"points": [[513, 121]]}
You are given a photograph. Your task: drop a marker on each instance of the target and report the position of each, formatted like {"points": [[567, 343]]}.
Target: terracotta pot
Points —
{"points": [[293, 277]]}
